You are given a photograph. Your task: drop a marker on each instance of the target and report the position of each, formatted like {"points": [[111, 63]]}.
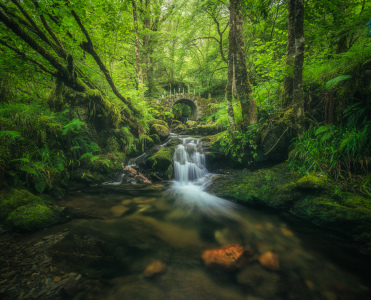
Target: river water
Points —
{"points": [[175, 222]]}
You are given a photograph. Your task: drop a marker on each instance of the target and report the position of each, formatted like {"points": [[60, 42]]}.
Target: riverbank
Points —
{"points": [[312, 197]]}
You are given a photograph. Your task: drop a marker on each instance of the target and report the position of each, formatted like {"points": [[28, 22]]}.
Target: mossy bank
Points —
{"points": [[312, 197]]}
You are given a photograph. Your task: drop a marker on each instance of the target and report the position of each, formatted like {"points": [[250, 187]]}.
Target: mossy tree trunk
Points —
{"points": [[230, 80], [61, 65], [286, 97], [298, 97], [243, 86], [137, 57]]}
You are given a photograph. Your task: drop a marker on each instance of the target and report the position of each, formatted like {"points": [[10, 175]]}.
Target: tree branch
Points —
{"points": [[42, 67], [89, 48]]}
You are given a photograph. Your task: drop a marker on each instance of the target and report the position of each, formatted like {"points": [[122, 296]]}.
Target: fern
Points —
{"points": [[72, 126]]}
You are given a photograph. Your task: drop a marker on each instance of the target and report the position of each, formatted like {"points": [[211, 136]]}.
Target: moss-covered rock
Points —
{"points": [[31, 217], [191, 123], [161, 160], [262, 187], [310, 197], [12, 199], [208, 129], [158, 122], [311, 182], [175, 123], [179, 128], [162, 131]]}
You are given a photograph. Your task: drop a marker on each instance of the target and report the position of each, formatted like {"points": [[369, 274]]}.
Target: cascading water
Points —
{"points": [[191, 179], [189, 161]]}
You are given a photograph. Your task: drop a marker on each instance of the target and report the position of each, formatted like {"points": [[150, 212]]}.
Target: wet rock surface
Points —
{"points": [[28, 272]]}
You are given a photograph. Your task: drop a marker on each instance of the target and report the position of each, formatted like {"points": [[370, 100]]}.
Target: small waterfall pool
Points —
{"points": [[126, 229]]}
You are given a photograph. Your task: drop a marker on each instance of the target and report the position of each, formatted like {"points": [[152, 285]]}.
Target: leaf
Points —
{"points": [[28, 169], [22, 159], [333, 82], [87, 154], [322, 129], [93, 158]]}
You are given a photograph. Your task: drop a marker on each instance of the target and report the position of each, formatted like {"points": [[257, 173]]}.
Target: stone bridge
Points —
{"points": [[194, 102]]}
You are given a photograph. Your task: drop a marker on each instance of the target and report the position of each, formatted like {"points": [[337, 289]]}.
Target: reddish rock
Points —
{"points": [[129, 171], [228, 257], [141, 179], [155, 268], [133, 176], [269, 260]]}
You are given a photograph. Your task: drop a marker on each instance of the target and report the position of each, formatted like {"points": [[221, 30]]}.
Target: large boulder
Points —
{"points": [[158, 122], [31, 217], [161, 160], [311, 197], [161, 130]]}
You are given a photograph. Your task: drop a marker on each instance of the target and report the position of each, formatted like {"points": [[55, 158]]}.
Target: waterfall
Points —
{"points": [[191, 179], [189, 161]]}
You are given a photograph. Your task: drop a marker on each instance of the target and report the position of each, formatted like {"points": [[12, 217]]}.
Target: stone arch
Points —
{"points": [[191, 104]]}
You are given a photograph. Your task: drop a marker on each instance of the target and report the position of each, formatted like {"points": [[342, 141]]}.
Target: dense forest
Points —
{"points": [[87, 85]]}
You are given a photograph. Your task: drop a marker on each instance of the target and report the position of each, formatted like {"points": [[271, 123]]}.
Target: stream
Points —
{"points": [[117, 231]]}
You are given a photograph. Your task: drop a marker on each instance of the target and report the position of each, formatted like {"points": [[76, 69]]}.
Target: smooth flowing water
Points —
{"points": [[131, 227]]}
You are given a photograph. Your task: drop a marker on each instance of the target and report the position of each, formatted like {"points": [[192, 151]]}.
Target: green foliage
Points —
{"points": [[341, 152], [73, 126], [335, 81], [240, 146], [181, 110]]}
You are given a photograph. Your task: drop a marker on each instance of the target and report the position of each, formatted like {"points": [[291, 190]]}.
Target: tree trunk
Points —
{"points": [[244, 88], [230, 81], [298, 97], [139, 72], [286, 97]]}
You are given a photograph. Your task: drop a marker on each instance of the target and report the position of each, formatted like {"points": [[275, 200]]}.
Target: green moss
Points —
{"points": [[161, 160], [170, 172], [158, 122], [288, 119], [257, 188], [191, 123], [12, 199], [31, 217], [356, 201], [326, 211], [314, 183], [112, 145], [208, 129], [175, 123]]}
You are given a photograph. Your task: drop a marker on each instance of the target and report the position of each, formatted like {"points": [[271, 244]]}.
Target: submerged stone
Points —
{"points": [[229, 257], [269, 260], [154, 268]]}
